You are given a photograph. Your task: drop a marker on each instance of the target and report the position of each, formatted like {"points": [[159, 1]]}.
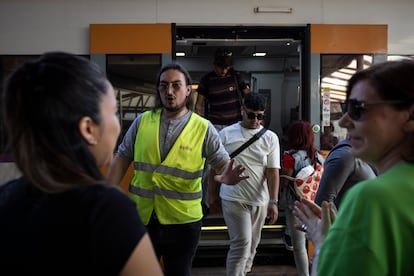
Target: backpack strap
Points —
{"points": [[319, 158], [301, 160]]}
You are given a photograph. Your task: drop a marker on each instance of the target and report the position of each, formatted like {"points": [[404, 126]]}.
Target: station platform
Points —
{"points": [[261, 270], [272, 259], [281, 264]]}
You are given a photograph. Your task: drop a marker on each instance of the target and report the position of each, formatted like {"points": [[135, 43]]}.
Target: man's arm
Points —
{"points": [[213, 194], [117, 169], [272, 175], [337, 168], [246, 89], [199, 104], [242, 85]]}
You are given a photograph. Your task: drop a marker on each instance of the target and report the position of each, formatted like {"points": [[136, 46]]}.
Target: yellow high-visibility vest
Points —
{"points": [[172, 188]]}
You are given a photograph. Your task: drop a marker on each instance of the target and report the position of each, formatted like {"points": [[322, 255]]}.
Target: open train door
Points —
{"points": [[274, 60]]}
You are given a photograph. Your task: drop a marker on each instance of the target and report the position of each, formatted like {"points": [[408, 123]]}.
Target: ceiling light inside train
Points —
{"points": [[259, 54]]}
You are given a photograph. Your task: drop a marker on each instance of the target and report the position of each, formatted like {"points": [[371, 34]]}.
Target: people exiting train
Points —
{"points": [[219, 98], [372, 233], [169, 146], [247, 205], [341, 171], [300, 141], [61, 217], [220, 92]]}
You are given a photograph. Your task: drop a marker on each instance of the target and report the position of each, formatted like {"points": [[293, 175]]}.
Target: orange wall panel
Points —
{"points": [[130, 38], [349, 38]]}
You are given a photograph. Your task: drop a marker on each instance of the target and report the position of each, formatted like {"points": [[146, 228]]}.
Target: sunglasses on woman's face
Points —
{"points": [[356, 108]]}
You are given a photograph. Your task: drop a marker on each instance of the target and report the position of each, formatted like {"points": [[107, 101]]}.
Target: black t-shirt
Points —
{"points": [[86, 231]]}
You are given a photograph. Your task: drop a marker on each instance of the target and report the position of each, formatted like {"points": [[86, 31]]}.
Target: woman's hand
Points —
{"points": [[314, 220]]}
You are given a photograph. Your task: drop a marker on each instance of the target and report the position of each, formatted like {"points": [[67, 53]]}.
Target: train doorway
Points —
{"points": [[273, 60]]}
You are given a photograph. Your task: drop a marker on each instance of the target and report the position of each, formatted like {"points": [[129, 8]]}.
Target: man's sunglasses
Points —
{"points": [[252, 116], [355, 108]]}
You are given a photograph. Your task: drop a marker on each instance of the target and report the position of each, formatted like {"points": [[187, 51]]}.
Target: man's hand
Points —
{"points": [[272, 214], [230, 175]]}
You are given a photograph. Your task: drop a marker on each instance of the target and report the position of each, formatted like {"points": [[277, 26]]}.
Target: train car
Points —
{"points": [[277, 62], [301, 70]]}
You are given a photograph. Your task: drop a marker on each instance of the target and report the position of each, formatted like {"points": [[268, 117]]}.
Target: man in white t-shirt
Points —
{"points": [[247, 205]]}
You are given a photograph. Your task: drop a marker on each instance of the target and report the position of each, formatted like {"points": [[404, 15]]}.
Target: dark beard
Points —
{"points": [[175, 108]]}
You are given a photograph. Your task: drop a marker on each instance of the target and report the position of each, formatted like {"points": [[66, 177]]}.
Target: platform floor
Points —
{"points": [[262, 270], [281, 264]]}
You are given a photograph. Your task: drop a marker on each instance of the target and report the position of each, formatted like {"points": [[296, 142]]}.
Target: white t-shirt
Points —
{"points": [[263, 153]]}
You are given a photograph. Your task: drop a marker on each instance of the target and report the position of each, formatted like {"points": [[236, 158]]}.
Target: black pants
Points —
{"points": [[176, 244]]}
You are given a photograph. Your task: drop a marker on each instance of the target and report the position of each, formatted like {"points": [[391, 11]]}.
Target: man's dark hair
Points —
{"points": [[223, 57], [188, 81], [255, 101]]}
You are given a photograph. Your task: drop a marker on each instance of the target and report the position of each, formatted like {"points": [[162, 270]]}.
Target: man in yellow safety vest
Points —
{"points": [[169, 146]]}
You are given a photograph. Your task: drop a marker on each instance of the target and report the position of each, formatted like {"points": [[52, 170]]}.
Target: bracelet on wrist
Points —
{"points": [[273, 201]]}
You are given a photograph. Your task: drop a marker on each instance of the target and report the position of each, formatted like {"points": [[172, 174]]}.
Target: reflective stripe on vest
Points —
{"points": [[140, 166], [166, 193], [172, 187]]}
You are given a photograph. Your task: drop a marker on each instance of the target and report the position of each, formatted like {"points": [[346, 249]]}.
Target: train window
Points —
{"points": [[8, 63], [336, 70], [133, 77]]}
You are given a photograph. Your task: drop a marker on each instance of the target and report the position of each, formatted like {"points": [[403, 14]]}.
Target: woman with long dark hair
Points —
{"points": [[61, 218]]}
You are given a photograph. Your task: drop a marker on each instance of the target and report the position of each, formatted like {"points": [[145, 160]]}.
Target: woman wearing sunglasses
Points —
{"points": [[373, 231]]}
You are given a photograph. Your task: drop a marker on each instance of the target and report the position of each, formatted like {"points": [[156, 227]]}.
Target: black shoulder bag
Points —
{"points": [[248, 143]]}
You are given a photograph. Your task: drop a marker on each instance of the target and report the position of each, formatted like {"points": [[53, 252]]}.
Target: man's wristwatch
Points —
{"points": [[273, 201]]}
